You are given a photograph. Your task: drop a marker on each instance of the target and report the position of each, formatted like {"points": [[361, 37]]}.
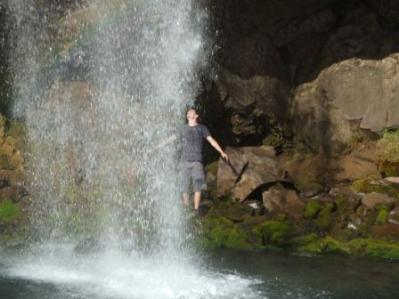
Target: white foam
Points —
{"points": [[117, 276]]}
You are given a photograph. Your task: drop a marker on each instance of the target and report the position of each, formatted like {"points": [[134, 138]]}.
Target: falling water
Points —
{"points": [[96, 112], [102, 91]]}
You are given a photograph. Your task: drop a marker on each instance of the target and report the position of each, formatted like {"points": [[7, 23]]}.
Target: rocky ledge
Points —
{"points": [[260, 201]]}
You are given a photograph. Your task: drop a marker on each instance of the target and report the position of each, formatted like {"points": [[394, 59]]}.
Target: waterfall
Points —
{"points": [[98, 92], [102, 91]]}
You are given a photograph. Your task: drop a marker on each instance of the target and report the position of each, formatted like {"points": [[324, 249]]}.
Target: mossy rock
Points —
{"points": [[9, 211], [217, 231], [238, 239], [276, 233], [382, 215], [237, 212], [388, 153], [388, 146], [324, 218], [325, 245], [312, 208], [305, 239], [375, 248], [331, 245], [369, 186], [274, 139], [388, 169]]}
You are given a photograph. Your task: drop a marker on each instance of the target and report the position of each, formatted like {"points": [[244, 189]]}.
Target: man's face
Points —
{"points": [[192, 115]]}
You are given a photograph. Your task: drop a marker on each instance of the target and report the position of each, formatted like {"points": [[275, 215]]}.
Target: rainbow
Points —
{"points": [[78, 27]]}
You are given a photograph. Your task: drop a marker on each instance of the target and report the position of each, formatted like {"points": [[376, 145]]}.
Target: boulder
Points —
{"points": [[237, 212], [279, 200], [355, 166], [309, 173], [274, 199], [341, 100], [394, 216], [393, 180], [248, 169], [371, 200], [294, 206]]}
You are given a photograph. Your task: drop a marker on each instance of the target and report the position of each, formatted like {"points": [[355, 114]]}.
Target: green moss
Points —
{"points": [[383, 250], [342, 204], [313, 248], [368, 186], [331, 245], [217, 231], [276, 233], [312, 208], [314, 245], [275, 139], [324, 218], [305, 239], [388, 169], [388, 147], [237, 239], [9, 211], [280, 217], [382, 215], [365, 247], [375, 248], [388, 153]]}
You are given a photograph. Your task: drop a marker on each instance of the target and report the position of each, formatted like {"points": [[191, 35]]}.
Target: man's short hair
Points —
{"points": [[191, 108]]}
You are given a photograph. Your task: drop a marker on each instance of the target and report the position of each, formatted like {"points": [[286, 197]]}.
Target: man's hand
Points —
{"points": [[224, 156]]}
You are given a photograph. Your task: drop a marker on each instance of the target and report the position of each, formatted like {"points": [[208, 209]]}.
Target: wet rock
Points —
{"points": [[249, 168], [371, 200], [394, 216]]}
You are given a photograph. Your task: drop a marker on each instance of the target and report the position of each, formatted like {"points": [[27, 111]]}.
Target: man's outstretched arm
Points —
{"points": [[217, 147]]}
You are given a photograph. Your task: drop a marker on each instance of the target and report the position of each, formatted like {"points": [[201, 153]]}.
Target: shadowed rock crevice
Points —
{"points": [[266, 51]]}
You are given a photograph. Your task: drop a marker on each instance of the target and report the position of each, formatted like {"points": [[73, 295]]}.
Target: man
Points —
{"points": [[193, 170]]}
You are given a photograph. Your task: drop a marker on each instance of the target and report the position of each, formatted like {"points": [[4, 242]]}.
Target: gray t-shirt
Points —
{"points": [[193, 138]]}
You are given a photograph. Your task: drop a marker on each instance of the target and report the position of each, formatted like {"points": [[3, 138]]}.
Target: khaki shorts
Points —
{"points": [[192, 172]]}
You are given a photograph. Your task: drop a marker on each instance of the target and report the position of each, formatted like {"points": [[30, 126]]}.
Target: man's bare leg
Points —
{"points": [[186, 202], [197, 200]]}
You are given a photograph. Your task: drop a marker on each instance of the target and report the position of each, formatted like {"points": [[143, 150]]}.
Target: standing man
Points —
{"points": [[193, 170]]}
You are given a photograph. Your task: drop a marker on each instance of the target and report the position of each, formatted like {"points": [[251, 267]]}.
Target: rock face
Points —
{"points": [[249, 168], [344, 98], [358, 164], [279, 200], [334, 57], [372, 200]]}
